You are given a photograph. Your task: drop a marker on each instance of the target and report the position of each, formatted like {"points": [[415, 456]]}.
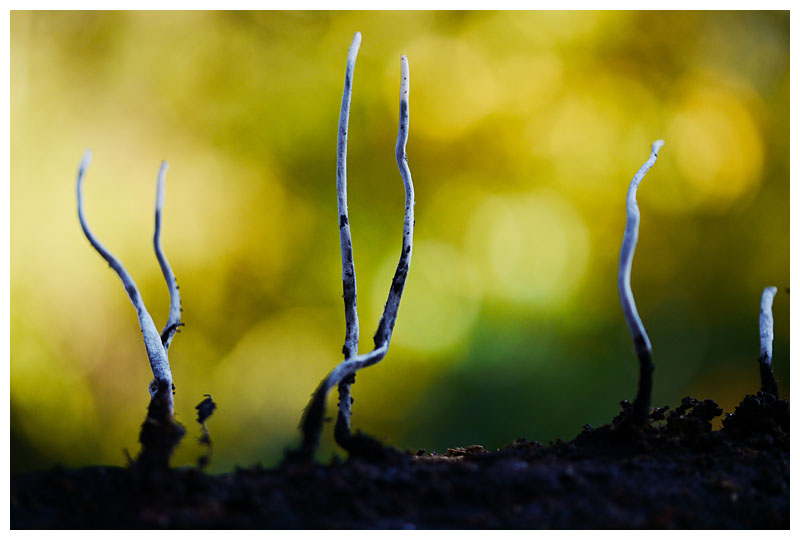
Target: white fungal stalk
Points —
{"points": [[640, 339], [174, 319], [766, 324], [629, 241], [156, 351], [386, 325], [350, 348], [311, 424]]}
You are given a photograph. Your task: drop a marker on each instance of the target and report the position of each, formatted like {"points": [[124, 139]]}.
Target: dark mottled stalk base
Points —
{"points": [[768, 384], [641, 405], [160, 433], [310, 426], [361, 445], [357, 444]]}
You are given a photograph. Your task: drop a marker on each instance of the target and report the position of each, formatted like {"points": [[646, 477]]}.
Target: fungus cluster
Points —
{"points": [[343, 375], [161, 433], [641, 342]]}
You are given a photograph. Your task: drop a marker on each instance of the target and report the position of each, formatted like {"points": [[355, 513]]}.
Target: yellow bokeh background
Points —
{"points": [[526, 128]]}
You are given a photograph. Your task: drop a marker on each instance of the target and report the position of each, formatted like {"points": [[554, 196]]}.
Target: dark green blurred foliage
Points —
{"points": [[525, 130]]}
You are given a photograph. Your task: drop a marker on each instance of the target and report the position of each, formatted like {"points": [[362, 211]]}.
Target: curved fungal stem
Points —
{"points": [[641, 405], [350, 348], [313, 416], [156, 352], [766, 332], [386, 325], [174, 319]]}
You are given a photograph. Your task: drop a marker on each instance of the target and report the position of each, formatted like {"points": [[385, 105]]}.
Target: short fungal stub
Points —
{"points": [[766, 335]]}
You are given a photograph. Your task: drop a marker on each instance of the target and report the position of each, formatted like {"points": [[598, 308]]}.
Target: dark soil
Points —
{"points": [[673, 473]]}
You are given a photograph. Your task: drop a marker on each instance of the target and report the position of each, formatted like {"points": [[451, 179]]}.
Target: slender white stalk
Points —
{"points": [[152, 340], [174, 320], [641, 405], [348, 268], [766, 323], [387, 322], [350, 348], [640, 339]]}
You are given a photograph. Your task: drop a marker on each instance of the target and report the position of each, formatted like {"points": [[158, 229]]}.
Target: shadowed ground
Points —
{"points": [[674, 473]]}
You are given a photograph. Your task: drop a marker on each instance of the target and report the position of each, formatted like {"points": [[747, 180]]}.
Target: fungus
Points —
{"points": [[174, 320], [641, 405], [160, 432], [350, 348], [765, 326], [343, 374]]}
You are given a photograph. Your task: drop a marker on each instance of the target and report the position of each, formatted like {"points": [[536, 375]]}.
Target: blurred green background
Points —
{"points": [[526, 129]]}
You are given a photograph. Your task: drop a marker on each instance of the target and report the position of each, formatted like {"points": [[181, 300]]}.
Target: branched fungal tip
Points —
{"points": [[156, 351]]}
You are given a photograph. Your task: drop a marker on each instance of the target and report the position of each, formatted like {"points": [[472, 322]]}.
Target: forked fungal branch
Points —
{"points": [[311, 423], [765, 326], [154, 344], [641, 406], [174, 319]]}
